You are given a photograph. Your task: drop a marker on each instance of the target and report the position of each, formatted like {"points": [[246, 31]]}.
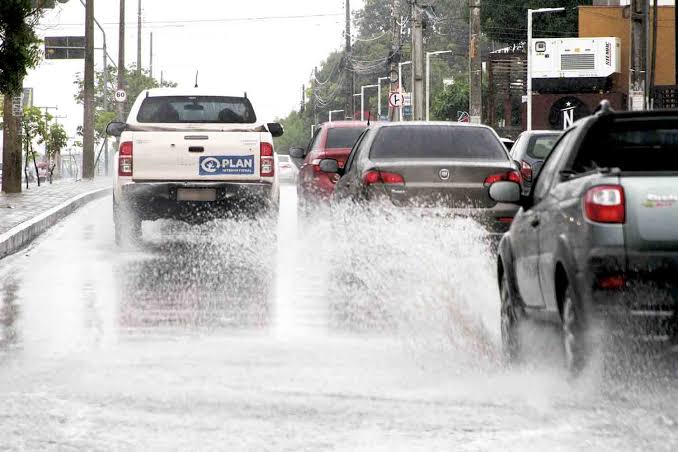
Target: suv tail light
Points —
{"points": [[267, 162], [526, 171], [605, 204], [510, 176], [126, 159], [380, 177]]}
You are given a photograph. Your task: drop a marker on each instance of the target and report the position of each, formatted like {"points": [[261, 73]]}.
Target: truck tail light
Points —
{"points": [[380, 177], [267, 162], [605, 204], [526, 171], [510, 176], [125, 159]]}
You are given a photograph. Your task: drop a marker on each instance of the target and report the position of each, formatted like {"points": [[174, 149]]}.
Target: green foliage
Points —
{"points": [[297, 132], [19, 44], [136, 83], [447, 104], [506, 20]]}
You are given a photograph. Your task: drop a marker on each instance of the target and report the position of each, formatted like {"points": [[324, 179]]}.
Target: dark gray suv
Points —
{"points": [[448, 165]]}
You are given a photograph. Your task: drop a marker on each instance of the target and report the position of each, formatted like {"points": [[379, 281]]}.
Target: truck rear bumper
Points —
{"points": [[636, 292], [160, 200]]}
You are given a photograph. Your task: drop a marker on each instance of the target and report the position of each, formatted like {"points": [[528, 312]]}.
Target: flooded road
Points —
{"points": [[353, 333]]}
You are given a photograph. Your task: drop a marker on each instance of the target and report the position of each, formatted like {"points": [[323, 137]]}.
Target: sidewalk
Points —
{"points": [[24, 216]]}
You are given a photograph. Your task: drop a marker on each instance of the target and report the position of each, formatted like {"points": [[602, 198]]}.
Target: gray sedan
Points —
{"points": [[424, 165]]}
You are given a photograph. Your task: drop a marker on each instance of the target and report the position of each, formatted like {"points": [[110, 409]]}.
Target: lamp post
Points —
{"points": [[530, 51], [362, 99], [400, 82], [379, 95], [335, 111], [428, 79]]}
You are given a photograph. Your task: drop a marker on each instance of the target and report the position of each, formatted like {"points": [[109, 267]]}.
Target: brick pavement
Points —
{"points": [[21, 207]]}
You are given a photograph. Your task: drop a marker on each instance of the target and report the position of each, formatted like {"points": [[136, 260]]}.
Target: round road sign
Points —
{"points": [[120, 96], [396, 100]]}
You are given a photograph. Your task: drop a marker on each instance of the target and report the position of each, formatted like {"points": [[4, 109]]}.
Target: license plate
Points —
{"points": [[197, 194]]}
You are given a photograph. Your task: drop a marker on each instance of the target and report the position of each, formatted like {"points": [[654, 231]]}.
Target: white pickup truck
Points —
{"points": [[191, 155]]}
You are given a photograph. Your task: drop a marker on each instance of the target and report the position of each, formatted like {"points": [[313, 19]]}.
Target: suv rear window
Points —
{"points": [[196, 109], [632, 146], [540, 146], [437, 142], [342, 138]]}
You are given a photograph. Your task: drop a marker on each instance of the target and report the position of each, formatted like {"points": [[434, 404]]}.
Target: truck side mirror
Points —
{"points": [[115, 129], [276, 129]]}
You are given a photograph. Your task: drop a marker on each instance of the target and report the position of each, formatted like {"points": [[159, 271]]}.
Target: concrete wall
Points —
{"points": [[602, 21]]}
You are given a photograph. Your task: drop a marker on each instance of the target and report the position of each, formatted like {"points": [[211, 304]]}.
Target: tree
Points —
{"points": [[506, 20], [55, 139], [33, 127], [454, 99], [19, 51]]}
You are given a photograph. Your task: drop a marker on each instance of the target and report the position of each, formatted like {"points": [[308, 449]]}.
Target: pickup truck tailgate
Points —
{"points": [[651, 212], [196, 156]]}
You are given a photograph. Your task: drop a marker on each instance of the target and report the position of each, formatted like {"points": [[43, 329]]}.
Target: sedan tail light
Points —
{"points": [[605, 204], [126, 159], [526, 171], [267, 163], [510, 176], [381, 177]]}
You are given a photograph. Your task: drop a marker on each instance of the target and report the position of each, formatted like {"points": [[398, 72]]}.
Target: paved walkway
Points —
{"points": [[18, 208]]}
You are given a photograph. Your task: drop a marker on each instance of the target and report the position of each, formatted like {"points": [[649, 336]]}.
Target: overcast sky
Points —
{"points": [[268, 58]]}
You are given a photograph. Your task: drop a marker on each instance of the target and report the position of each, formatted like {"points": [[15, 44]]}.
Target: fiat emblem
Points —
{"points": [[444, 174]]}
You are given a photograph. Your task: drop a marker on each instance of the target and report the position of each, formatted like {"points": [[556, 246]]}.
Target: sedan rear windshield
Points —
{"points": [[632, 146], [437, 142], [540, 146], [196, 109], [342, 138]]}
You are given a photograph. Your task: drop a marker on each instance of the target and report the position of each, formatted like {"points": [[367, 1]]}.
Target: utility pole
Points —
{"points": [[417, 62], [139, 39], [348, 72], [150, 66], [314, 87], [638, 96], [475, 66], [395, 50], [121, 58], [88, 120]]}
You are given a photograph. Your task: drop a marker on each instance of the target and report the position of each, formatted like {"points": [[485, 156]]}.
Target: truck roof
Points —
{"points": [[163, 92]]}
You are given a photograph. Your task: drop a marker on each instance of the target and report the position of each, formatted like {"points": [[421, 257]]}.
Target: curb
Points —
{"points": [[23, 234]]}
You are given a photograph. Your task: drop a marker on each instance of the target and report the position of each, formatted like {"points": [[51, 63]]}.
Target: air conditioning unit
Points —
{"points": [[575, 64]]}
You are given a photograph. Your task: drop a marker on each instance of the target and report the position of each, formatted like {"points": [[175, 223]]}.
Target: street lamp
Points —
{"points": [[335, 111], [400, 82], [530, 13], [379, 95], [362, 99], [428, 79]]}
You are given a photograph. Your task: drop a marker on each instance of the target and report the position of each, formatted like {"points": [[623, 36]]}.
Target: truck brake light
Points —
{"points": [[126, 159], [605, 204], [267, 162]]}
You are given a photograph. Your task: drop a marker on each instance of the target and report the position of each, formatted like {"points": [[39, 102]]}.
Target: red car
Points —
{"points": [[332, 140]]}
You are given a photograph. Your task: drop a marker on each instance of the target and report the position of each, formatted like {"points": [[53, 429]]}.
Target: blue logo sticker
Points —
{"points": [[227, 165]]}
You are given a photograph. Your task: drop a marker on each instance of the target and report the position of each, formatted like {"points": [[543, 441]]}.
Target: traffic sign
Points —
{"points": [[120, 96], [396, 100]]}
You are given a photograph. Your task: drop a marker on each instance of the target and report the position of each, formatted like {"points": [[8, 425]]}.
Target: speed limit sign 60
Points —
{"points": [[120, 95]]}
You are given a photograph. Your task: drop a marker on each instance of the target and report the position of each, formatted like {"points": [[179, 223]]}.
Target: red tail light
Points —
{"points": [[510, 176], [526, 171], [605, 204], [614, 282], [267, 163], [380, 177], [125, 159]]}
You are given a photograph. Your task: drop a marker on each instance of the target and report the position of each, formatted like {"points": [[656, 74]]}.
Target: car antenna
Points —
{"points": [[196, 78], [369, 118]]}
